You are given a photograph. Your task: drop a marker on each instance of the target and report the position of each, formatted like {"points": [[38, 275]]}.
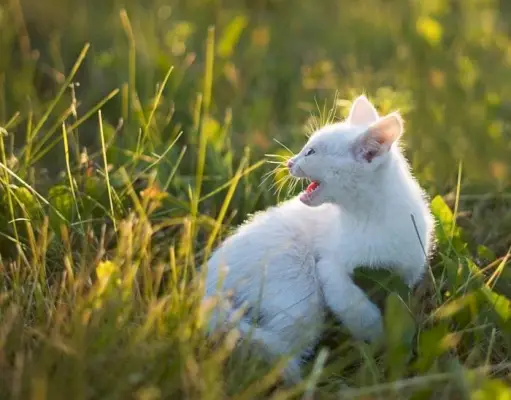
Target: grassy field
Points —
{"points": [[134, 135]]}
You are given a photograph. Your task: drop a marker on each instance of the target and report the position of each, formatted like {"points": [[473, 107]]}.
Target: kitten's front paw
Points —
{"points": [[371, 326], [413, 277]]}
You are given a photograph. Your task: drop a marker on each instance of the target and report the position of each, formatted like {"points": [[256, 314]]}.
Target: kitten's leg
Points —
{"points": [[289, 330], [348, 302], [273, 346], [270, 339]]}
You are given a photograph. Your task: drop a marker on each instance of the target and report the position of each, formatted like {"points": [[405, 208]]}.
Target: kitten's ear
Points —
{"points": [[379, 138], [362, 112]]}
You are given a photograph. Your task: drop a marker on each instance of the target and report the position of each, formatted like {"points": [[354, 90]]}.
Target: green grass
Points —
{"points": [[134, 137]]}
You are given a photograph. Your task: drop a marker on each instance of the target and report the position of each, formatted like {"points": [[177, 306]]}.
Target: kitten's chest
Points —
{"points": [[354, 247]]}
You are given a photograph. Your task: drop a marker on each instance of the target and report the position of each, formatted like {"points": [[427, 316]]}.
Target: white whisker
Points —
{"points": [[276, 156], [284, 146]]}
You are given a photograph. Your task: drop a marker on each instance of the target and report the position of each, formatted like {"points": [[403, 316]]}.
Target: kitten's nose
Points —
{"points": [[290, 163]]}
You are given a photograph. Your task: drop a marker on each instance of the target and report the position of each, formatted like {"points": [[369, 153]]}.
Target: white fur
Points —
{"points": [[291, 262]]}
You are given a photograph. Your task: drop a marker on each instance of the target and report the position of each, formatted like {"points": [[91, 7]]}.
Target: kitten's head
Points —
{"points": [[342, 158]]}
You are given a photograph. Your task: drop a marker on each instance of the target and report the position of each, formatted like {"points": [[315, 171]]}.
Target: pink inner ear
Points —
{"points": [[387, 130], [368, 148], [378, 139], [369, 156]]}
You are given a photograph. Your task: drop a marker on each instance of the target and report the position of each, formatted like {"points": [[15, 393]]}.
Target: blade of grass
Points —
{"points": [[109, 187], [455, 211], [204, 112], [28, 146], [457, 199], [228, 183], [225, 205], [3, 133], [50, 132], [63, 88], [12, 120], [42, 149], [33, 191], [128, 30], [490, 283], [68, 168], [124, 101], [174, 169], [159, 158], [153, 109], [312, 382], [176, 163]]}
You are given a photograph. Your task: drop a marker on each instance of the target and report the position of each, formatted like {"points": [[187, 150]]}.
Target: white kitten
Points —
{"points": [[286, 265]]}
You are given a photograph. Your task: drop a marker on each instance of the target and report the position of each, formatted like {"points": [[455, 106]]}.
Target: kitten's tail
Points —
{"points": [[226, 317]]}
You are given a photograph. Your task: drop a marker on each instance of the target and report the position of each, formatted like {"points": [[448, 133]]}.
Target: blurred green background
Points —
{"points": [[445, 64]]}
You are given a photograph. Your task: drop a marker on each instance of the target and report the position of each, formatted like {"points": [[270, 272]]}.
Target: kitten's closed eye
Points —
{"points": [[309, 152]]}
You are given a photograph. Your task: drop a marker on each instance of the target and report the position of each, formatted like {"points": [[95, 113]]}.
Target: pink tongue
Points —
{"points": [[311, 187]]}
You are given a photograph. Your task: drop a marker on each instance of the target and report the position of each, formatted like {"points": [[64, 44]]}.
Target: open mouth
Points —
{"points": [[311, 191]]}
